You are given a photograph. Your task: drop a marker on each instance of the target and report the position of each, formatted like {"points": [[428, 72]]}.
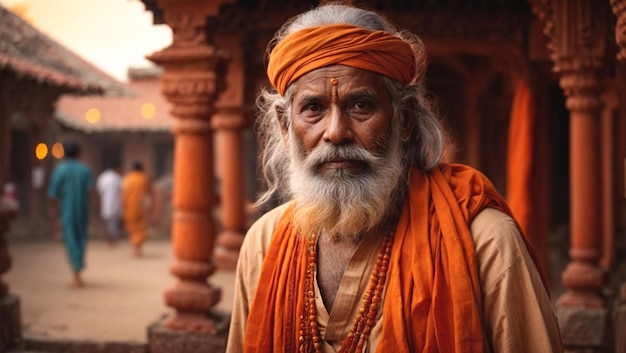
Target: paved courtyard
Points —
{"points": [[124, 294]]}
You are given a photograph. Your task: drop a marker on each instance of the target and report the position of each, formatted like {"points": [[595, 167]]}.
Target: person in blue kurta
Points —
{"points": [[70, 189]]}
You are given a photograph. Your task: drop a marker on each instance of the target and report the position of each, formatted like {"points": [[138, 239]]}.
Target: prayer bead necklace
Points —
{"points": [[309, 339]]}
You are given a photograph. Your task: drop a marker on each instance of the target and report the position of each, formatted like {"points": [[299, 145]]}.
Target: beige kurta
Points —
{"points": [[517, 312]]}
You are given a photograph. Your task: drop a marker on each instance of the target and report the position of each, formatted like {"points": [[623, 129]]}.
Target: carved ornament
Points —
{"points": [[188, 29], [619, 9], [192, 111], [585, 254], [229, 120], [192, 93], [192, 126], [583, 277], [196, 324], [192, 295], [483, 28], [582, 89], [576, 32], [196, 83]]}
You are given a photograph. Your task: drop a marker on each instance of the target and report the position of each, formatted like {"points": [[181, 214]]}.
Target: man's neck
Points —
{"points": [[334, 255], [333, 259]]}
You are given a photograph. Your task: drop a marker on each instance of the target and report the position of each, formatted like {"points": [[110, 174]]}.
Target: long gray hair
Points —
{"points": [[425, 143]]}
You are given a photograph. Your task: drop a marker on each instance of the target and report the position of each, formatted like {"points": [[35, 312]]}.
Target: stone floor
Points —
{"points": [[123, 296]]}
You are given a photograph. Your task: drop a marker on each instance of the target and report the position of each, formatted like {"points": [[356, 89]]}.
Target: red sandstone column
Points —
{"points": [[193, 78], [619, 10], [608, 126], [583, 277], [229, 125], [577, 44]]}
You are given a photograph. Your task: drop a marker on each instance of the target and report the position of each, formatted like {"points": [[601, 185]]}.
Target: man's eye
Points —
{"points": [[313, 107], [362, 105]]}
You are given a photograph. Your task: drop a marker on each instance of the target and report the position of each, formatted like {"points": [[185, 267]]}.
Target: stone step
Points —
{"points": [[48, 345]]}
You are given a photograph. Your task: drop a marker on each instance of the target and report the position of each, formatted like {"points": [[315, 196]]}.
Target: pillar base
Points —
{"points": [[10, 323], [583, 329], [620, 328], [164, 340], [580, 299]]}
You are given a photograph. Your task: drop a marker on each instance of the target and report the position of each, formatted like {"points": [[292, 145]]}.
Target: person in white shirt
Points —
{"points": [[109, 186]]}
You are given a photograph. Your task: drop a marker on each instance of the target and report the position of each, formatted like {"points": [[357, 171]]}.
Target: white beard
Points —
{"points": [[342, 203]]}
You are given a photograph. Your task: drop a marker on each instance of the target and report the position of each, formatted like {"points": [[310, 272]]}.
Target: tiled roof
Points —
{"points": [[115, 114], [33, 55]]}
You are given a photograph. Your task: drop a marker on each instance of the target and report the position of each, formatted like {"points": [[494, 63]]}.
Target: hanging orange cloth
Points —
{"points": [[432, 303], [520, 156]]}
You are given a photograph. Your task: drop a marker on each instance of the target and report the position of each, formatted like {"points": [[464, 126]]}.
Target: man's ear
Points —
{"points": [[409, 116]]}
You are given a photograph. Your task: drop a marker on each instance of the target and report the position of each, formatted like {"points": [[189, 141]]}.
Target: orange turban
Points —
{"points": [[312, 48]]}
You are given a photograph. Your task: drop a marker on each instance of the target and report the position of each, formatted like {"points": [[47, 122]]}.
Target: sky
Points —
{"points": [[111, 34]]}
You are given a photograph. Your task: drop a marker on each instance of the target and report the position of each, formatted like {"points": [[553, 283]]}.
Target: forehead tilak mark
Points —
{"points": [[334, 82]]}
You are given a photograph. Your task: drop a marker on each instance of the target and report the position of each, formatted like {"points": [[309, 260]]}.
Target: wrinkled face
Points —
{"points": [[341, 105], [346, 155]]}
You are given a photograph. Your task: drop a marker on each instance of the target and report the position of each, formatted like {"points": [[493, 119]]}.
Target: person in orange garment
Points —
{"points": [[380, 245], [136, 192]]}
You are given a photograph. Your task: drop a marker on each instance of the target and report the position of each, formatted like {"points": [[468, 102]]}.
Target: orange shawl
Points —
{"points": [[433, 298]]}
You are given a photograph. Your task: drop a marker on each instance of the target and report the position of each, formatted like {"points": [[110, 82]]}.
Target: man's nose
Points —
{"points": [[338, 127]]}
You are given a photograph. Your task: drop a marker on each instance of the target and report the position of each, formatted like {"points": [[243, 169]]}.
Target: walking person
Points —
{"points": [[70, 189], [109, 186], [380, 245], [136, 198]]}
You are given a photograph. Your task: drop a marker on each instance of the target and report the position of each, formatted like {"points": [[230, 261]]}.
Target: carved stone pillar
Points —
{"points": [[577, 33], [229, 124], [619, 10], [192, 80], [583, 276], [576, 30]]}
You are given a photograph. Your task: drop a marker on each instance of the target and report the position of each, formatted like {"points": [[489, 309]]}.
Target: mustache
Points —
{"points": [[333, 153]]}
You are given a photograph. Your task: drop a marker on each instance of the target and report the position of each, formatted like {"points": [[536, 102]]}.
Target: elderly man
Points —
{"points": [[381, 247]]}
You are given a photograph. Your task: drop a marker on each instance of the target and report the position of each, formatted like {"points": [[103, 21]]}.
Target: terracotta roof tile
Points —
{"points": [[119, 113], [33, 55]]}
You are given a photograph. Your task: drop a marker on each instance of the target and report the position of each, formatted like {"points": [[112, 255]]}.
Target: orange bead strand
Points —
{"points": [[310, 340]]}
